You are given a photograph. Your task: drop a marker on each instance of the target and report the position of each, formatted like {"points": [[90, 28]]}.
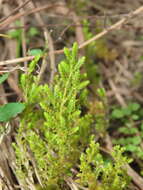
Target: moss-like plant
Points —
{"points": [[55, 130], [98, 173], [52, 126]]}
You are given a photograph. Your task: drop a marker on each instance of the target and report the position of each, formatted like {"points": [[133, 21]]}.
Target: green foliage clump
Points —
{"points": [[132, 111], [55, 130], [97, 173], [131, 134], [52, 125]]}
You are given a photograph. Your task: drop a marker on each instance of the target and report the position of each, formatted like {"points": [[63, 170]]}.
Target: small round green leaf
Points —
{"points": [[134, 106], [117, 114], [10, 110], [135, 117], [34, 52]]}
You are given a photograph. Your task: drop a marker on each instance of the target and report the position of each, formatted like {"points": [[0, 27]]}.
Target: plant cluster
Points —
{"points": [[130, 128], [111, 173], [55, 134]]}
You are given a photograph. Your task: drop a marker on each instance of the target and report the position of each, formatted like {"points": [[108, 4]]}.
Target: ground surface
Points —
{"points": [[119, 57]]}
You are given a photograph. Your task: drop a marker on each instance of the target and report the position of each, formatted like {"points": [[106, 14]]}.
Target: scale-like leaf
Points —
{"points": [[10, 110]]}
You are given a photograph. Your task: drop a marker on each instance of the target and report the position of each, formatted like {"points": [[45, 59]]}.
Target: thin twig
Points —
{"points": [[17, 60]]}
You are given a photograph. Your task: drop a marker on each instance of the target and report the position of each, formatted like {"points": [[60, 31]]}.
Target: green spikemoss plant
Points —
{"points": [[54, 131], [99, 173]]}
